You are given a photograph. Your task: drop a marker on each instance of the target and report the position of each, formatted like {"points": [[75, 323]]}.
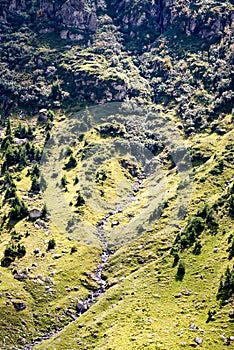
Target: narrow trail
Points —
{"points": [[90, 300]]}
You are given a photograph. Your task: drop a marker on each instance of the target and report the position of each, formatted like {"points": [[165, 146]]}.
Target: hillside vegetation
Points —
{"points": [[116, 184]]}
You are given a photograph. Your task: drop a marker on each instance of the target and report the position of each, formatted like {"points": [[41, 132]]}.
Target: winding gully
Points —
{"points": [[106, 253]]}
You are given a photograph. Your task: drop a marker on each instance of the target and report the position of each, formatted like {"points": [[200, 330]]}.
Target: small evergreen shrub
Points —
{"points": [[180, 272], [51, 244], [226, 286]]}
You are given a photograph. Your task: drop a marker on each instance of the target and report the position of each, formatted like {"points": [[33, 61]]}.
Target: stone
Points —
{"points": [[198, 341], [81, 307], [35, 213], [57, 256], [192, 326], [114, 223], [42, 118], [49, 280], [20, 276], [41, 223], [19, 305], [20, 141]]}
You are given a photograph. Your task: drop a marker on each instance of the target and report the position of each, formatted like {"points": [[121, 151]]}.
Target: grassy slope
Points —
{"points": [[146, 307], [65, 273]]}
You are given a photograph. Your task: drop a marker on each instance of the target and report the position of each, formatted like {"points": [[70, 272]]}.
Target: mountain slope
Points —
{"points": [[118, 115]]}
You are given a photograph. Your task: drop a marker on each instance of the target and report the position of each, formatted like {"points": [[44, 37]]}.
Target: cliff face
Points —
{"points": [[75, 18], [69, 18], [122, 48], [190, 17]]}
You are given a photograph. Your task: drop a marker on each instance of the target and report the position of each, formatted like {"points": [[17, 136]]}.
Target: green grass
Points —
{"points": [[145, 307]]}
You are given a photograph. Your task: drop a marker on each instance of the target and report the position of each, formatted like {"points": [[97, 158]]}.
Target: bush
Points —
{"points": [[180, 272], [19, 209], [72, 163], [64, 181], [73, 249], [76, 180], [51, 244], [197, 248], [80, 200], [35, 187], [44, 212], [11, 252], [176, 259], [226, 286]]}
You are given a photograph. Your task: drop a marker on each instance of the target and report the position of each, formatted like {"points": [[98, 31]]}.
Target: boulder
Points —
{"points": [[42, 118], [35, 213]]}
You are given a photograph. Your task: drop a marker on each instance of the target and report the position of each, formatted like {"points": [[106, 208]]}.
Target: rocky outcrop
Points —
{"points": [[70, 18], [194, 18], [75, 19], [154, 17]]}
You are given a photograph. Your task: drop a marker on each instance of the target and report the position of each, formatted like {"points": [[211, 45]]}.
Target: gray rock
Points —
{"points": [[81, 307], [35, 213], [198, 341], [114, 223], [19, 305], [42, 118], [20, 276]]}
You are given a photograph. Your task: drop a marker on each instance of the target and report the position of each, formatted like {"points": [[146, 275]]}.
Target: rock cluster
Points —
{"points": [[70, 18]]}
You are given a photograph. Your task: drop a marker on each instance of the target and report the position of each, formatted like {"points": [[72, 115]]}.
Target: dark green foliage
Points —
{"points": [[180, 272], [73, 249], [231, 205], [35, 171], [72, 163], [6, 142], [79, 200], [64, 182], [44, 212], [10, 193], [35, 187], [176, 258], [48, 136], [8, 128], [11, 252], [211, 315], [16, 237], [24, 132], [56, 92], [51, 244], [19, 209], [101, 176], [69, 152], [230, 249], [226, 287], [11, 156], [197, 248], [76, 180], [20, 131], [218, 168], [50, 115], [193, 230]]}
